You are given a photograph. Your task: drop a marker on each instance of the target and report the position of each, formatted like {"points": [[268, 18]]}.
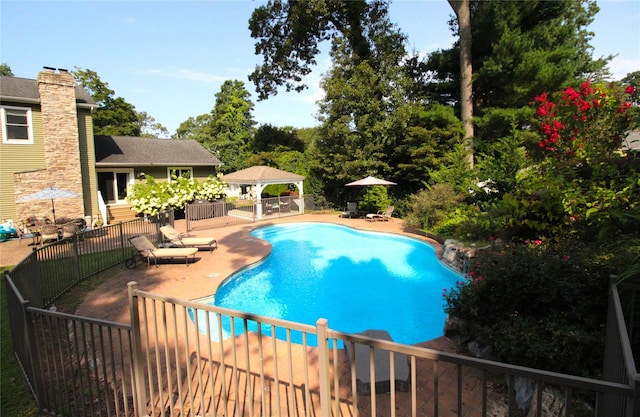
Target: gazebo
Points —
{"points": [[257, 178]]}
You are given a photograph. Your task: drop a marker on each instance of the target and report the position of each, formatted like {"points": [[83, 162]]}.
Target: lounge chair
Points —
{"points": [[380, 216], [183, 240], [351, 211], [148, 251]]}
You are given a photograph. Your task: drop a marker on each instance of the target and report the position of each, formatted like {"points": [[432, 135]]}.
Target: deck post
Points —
{"points": [[139, 391], [323, 368]]}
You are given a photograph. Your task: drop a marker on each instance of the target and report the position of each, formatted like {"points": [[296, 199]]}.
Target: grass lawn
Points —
{"points": [[15, 397]]}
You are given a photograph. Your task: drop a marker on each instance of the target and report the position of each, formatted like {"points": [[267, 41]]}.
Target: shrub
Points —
{"points": [[152, 197], [432, 205], [539, 304], [375, 198]]}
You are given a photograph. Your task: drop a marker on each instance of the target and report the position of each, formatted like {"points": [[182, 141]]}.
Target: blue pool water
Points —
{"points": [[357, 280]]}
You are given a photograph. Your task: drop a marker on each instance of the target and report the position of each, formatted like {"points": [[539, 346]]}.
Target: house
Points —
{"points": [[123, 160], [48, 141]]}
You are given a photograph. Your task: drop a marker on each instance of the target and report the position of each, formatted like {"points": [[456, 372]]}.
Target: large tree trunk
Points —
{"points": [[461, 8]]}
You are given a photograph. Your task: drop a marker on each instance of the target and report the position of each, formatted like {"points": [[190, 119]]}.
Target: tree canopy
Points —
{"points": [[289, 34], [228, 129], [522, 49], [115, 116], [6, 70]]}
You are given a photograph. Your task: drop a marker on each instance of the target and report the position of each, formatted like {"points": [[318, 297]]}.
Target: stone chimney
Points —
{"points": [[61, 146]]}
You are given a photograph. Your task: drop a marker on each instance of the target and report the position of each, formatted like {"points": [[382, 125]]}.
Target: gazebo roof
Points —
{"points": [[261, 174]]}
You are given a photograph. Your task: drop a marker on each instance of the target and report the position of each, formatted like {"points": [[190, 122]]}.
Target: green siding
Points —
{"points": [[19, 158], [88, 163]]}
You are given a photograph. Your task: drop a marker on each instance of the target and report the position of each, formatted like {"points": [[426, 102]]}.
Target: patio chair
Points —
{"points": [[380, 216], [184, 240], [148, 251], [24, 233], [69, 230], [351, 211], [49, 233]]}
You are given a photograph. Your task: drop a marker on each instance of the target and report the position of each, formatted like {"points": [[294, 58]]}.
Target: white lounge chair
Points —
{"points": [[183, 240], [148, 251], [380, 216]]}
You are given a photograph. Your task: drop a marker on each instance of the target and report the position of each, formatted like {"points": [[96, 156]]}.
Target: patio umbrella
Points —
{"points": [[52, 194], [370, 181]]}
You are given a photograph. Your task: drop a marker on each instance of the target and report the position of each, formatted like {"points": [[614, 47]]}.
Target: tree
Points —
{"points": [[150, 128], [288, 35], [197, 128], [432, 132], [463, 13], [6, 70], [526, 48], [269, 138], [357, 113], [232, 124], [114, 116], [227, 130]]}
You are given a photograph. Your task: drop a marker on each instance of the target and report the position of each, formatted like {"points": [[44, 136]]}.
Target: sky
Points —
{"points": [[170, 58]]}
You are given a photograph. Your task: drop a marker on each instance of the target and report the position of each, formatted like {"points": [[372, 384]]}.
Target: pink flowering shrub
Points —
{"points": [[585, 123], [579, 178]]}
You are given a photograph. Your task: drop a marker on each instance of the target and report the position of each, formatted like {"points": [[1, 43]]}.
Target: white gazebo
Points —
{"points": [[256, 178]]}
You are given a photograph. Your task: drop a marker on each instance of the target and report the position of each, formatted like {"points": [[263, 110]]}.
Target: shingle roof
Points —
{"points": [[134, 151], [27, 89], [260, 173]]}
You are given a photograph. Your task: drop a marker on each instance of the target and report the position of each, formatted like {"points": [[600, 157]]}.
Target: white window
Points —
{"points": [[175, 172], [17, 127], [114, 184]]}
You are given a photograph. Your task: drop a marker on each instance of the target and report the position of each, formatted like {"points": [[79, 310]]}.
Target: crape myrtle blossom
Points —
{"points": [[583, 123]]}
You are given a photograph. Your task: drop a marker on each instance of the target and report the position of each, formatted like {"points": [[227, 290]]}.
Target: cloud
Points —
{"points": [[620, 67], [186, 75]]}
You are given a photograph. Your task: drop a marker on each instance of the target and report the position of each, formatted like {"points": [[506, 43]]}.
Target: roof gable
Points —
{"points": [[260, 173], [138, 151]]}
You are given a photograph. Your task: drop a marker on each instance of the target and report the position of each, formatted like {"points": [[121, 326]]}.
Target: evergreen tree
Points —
{"points": [[522, 49], [232, 125], [361, 96], [227, 130]]}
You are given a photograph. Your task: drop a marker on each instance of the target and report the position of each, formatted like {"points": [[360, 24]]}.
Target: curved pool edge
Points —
{"points": [[409, 233]]}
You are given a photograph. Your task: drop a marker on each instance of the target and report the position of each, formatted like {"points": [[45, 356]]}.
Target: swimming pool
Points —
{"points": [[357, 280]]}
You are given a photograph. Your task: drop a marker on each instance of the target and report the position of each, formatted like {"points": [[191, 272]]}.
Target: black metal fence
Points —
{"points": [[50, 271]]}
